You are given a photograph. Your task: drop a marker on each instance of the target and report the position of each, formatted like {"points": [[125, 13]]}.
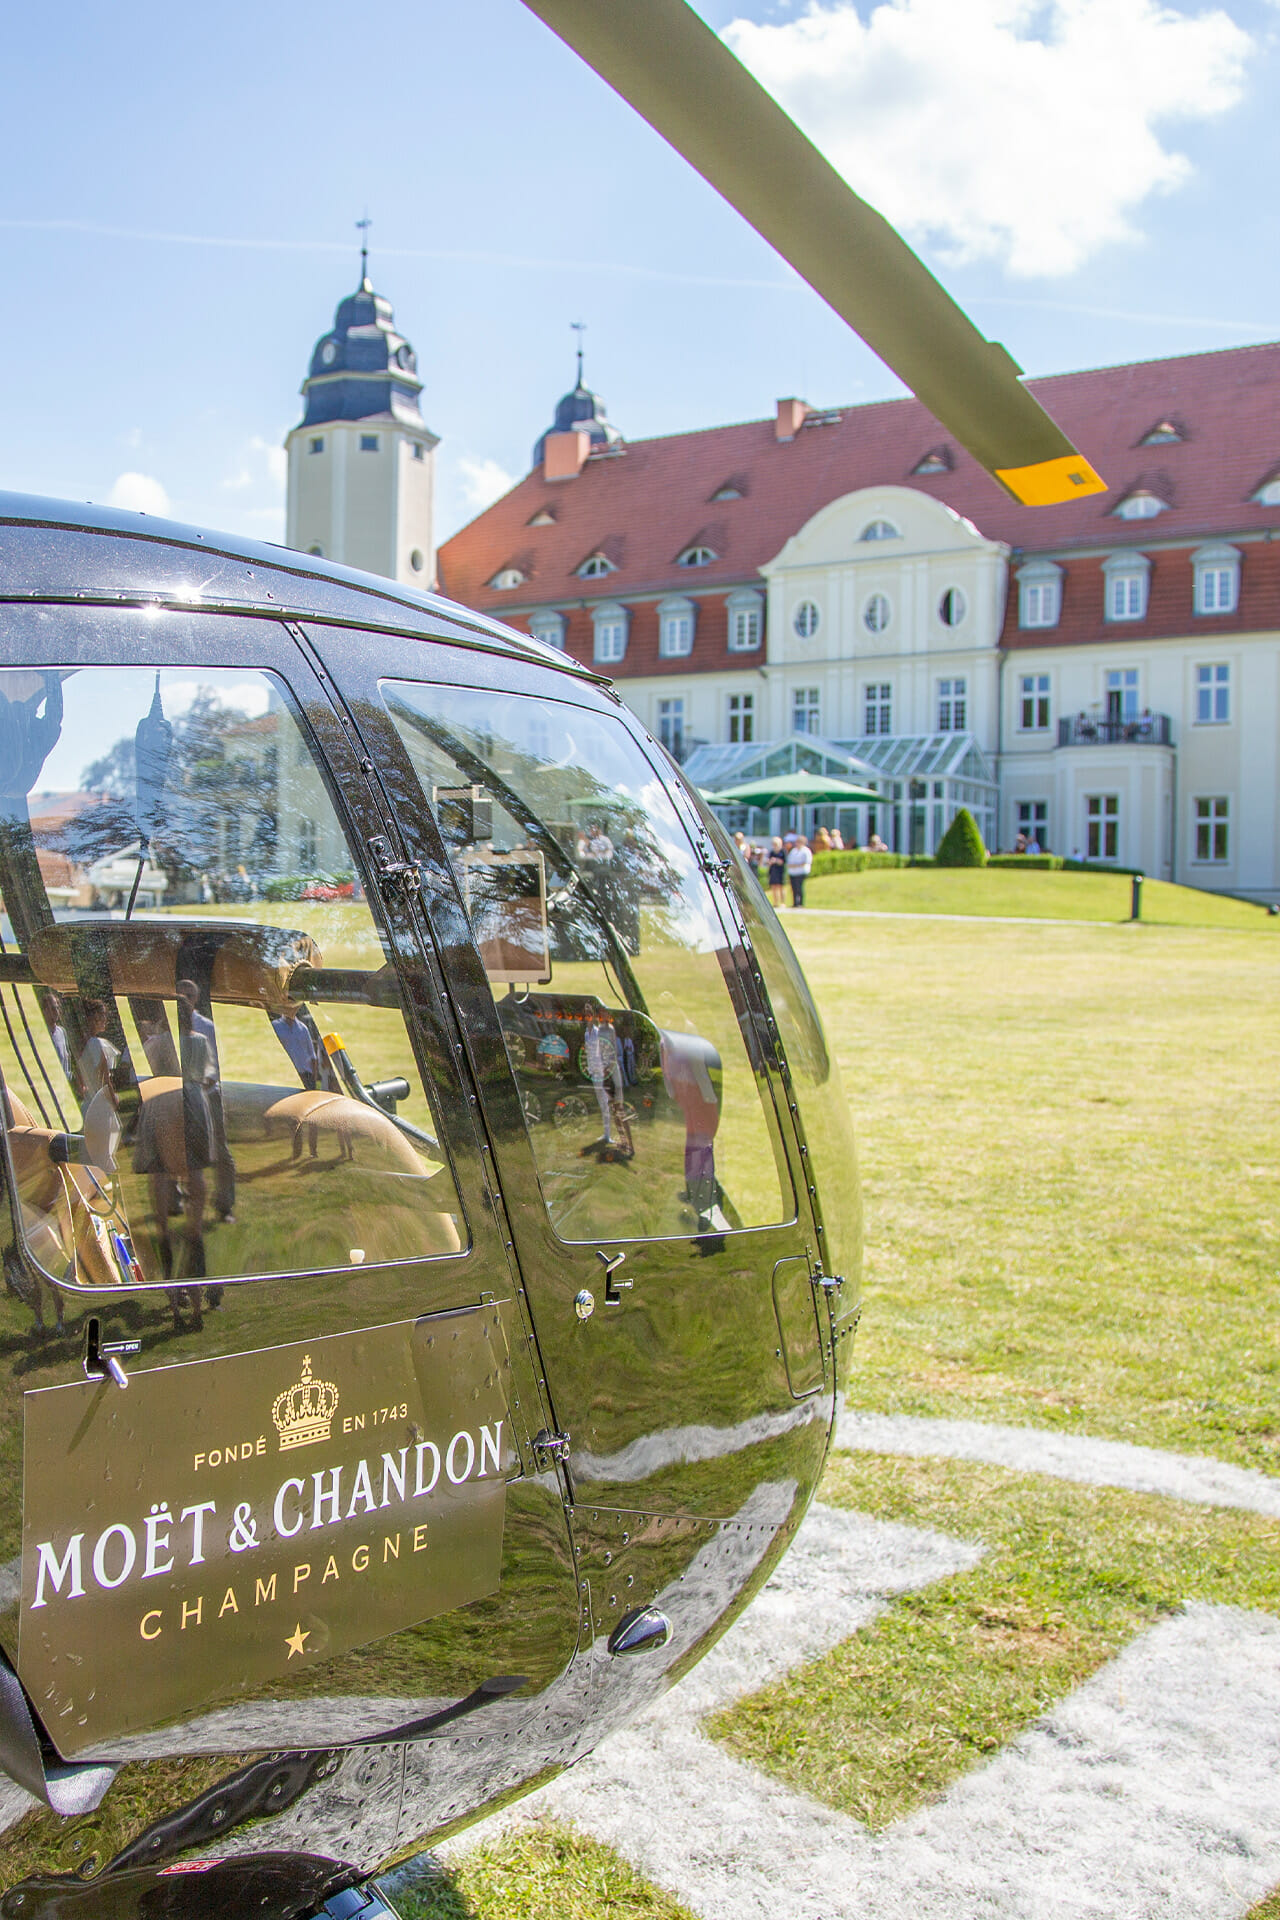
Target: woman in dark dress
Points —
{"points": [[777, 871]]}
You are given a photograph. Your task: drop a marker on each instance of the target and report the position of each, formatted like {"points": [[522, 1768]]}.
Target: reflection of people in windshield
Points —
{"points": [[298, 1042], [688, 1063], [604, 1069], [98, 1056], [224, 1198]]}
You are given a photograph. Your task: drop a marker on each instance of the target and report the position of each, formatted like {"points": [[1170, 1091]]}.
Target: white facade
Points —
{"points": [[885, 616]]}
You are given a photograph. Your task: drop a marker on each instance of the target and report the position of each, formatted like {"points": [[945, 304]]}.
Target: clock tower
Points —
{"points": [[362, 460]]}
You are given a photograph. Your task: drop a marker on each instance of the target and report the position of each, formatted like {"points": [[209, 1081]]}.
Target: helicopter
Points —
{"points": [[431, 1235]]}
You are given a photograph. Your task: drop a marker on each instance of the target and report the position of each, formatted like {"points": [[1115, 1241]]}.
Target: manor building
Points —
{"points": [[844, 588]]}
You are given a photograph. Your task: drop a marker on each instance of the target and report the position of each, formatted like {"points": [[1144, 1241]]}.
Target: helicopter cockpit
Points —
{"points": [[623, 1023], [208, 1066]]}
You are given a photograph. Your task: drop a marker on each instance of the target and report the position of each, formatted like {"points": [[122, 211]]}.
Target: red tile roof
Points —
{"points": [[647, 504]]}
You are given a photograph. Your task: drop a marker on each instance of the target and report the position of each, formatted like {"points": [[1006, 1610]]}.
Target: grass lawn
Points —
{"points": [[1000, 892], [1070, 1146], [547, 1873]]}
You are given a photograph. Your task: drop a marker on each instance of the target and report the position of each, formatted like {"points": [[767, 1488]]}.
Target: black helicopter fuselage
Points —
{"points": [[431, 1227]]}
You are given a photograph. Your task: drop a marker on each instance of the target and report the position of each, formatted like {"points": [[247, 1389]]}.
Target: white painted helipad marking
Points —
{"points": [[1150, 1793], [1067, 1456]]}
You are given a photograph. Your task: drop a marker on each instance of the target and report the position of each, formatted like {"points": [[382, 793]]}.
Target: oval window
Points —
{"points": [[416, 560], [952, 607], [875, 615], [805, 619]]}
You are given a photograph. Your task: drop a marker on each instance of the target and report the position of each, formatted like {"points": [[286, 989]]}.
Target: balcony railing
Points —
{"points": [[1115, 730]]}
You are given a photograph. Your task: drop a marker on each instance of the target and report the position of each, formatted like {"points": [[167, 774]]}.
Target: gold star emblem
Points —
{"points": [[296, 1642]]}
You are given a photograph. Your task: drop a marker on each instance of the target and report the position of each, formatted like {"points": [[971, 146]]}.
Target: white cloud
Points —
{"points": [[483, 481], [139, 493], [262, 460], [1023, 131]]}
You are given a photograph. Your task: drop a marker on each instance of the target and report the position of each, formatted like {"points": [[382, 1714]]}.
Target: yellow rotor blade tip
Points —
{"points": [[1049, 481]]}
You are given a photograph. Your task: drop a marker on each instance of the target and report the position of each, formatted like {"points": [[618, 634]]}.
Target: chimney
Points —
{"points": [[564, 453], [791, 414]]}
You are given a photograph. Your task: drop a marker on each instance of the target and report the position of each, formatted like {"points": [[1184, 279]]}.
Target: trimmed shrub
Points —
{"points": [[1038, 862], [961, 844], [855, 860]]}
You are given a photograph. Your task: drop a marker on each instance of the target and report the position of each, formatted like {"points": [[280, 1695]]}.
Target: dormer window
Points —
{"points": [[937, 460], [1140, 505], [595, 567], [1039, 594], [676, 618], [1268, 494], [880, 530], [542, 518], [1163, 432], [1217, 574], [746, 620], [1127, 576], [610, 622], [506, 579], [697, 557], [549, 628], [728, 492]]}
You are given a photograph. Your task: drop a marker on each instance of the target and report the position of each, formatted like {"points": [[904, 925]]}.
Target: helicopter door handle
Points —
{"points": [[100, 1361], [613, 1288]]}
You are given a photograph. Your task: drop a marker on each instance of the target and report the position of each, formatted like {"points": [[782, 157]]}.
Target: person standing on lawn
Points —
{"points": [[799, 865], [777, 870]]}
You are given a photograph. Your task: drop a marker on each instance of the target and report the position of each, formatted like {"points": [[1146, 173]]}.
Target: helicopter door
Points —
{"points": [[645, 1161], [246, 1184]]}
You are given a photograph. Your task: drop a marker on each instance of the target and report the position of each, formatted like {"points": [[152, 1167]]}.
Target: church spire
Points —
{"points": [[363, 226]]}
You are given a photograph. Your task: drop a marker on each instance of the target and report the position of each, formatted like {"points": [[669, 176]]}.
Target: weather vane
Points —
{"points": [[579, 327], [364, 226]]}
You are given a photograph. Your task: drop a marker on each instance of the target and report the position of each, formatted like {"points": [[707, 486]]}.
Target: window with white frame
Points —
{"points": [[877, 613], [1127, 576], [746, 621], [1039, 594], [1102, 826], [1033, 821], [879, 530], [675, 628], [1122, 693], [1217, 573], [1268, 494], [1140, 506], [1213, 694], [549, 628], [1213, 825], [806, 710], [952, 705], [610, 623], [696, 557], [671, 727], [877, 706], [1034, 689], [507, 579], [742, 718], [806, 619], [594, 567]]}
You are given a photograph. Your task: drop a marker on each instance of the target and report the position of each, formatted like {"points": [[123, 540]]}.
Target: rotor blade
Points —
{"points": [[669, 65]]}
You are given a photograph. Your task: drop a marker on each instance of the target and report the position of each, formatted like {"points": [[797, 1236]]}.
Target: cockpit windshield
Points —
{"points": [[623, 1016], [207, 1071]]}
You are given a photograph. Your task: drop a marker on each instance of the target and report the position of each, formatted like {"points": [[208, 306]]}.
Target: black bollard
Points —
{"points": [[1135, 897]]}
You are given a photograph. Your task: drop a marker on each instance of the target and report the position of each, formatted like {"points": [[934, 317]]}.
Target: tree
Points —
{"points": [[961, 844]]}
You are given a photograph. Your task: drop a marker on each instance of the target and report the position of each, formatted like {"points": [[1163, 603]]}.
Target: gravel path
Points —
{"points": [[1149, 1794]]}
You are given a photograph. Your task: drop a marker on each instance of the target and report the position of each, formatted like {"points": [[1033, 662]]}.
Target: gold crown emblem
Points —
{"points": [[304, 1413]]}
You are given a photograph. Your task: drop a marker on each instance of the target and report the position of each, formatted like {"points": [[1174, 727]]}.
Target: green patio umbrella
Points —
{"points": [[794, 790]]}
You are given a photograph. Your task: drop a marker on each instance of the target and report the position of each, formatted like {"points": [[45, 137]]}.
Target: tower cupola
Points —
{"points": [[579, 409], [362, 366]]}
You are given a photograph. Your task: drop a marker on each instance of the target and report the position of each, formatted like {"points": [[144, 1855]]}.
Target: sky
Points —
{"points": [[1093, 180]]}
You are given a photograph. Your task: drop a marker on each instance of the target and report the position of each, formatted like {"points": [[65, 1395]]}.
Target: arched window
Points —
{"points": [[696, 557], [507, 578], [1141, 505], [595, 567], [877, 613], [806, 619], [880, 530]]}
